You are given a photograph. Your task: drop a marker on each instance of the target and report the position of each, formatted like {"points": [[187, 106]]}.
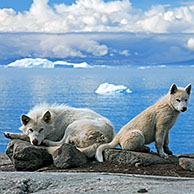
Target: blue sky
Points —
{"points": [[21, 5]]}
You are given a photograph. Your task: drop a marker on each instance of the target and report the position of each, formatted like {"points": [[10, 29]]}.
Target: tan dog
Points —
{"points": [[151, 125]]}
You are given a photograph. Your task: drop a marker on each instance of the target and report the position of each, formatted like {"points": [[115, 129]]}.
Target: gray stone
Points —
{"points": [[4, 159], [186, 155], [67, 156], [137, 158], [187, 163], [93, 183], [26, 156]]}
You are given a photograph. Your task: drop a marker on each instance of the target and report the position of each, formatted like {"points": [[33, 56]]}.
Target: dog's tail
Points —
{"points": [[102, 147], [90, 150]]}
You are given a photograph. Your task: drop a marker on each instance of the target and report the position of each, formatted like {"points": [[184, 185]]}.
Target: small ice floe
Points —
{"points": [[153, 66], [107, 88], [162, 66], [144, 67]]}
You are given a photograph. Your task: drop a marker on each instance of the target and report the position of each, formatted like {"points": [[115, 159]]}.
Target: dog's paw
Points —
{"points": [[45, 142], [164, 155], [7, 135], [167, 151]]}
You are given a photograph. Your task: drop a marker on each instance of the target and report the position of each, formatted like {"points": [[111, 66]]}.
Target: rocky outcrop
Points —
{"points": [[137, 158], [27, 157], [186, 161], [68, 156]]}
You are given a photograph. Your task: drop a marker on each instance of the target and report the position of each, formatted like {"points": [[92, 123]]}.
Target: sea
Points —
{"points": [[22, 88]]}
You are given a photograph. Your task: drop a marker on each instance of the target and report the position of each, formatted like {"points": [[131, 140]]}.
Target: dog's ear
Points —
{"points": [[188, 89], [25, 119], [46, 117], [173, 89]]}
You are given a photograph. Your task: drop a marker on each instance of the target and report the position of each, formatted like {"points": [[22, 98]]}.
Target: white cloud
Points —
{"points": [[50, 45], [138, 48], [96, 16], [72, 46], [190, 43], [125, 53]]}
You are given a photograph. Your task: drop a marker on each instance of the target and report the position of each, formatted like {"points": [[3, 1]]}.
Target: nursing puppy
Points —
{"points": [[151, 125], [53, 125]]}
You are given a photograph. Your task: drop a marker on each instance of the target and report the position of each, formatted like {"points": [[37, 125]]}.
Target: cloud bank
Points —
{"points": [[98, 16], [98, 48]]}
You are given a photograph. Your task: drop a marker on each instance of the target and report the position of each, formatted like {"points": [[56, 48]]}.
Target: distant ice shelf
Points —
{"points": [[45, 63], [107, 88]]}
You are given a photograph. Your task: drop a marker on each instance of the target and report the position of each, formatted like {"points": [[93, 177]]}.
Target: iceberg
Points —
{"points": [[45, 63], [32, 63], [63, 64], [107, 88]]}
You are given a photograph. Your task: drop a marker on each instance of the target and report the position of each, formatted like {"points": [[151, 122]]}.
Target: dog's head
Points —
{"points": [[36, 129], [179, 97]]}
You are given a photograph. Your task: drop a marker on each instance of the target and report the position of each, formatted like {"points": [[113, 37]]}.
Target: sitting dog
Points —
{"points": [[151, 125]]}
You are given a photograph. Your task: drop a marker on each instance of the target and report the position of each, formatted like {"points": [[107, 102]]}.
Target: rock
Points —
{"points": [[137, 158], [4, 160], [187, 163], [26, 156], [67, 156], [142, 191], [186, 155]]}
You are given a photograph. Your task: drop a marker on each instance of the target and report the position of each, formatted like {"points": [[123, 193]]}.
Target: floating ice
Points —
{"points": [[144, 67], [45, 63], [154, 66], [107, 88], [32, 63], [63, 64]]}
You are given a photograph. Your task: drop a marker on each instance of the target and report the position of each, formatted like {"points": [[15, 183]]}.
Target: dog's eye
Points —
{"points": [[185, 100], [178, 100], [41, 130], [31, 130]]}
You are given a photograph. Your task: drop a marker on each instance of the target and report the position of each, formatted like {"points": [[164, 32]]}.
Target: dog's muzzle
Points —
{"points": [[35, 142], [184, 109]]}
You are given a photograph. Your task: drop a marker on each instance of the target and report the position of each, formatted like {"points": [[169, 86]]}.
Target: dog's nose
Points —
{"points": [[184, 109], [35, 142]]}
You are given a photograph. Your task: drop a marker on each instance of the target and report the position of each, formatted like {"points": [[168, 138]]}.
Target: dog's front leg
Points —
{"points": [[159, 141], [20, 136], [166, 142]]}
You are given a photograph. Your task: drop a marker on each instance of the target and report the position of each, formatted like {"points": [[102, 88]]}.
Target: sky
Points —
{"points": [[24, 5], [139, 31], [57, 16]]}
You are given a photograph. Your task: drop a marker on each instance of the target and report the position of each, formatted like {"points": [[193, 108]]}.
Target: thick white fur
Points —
{"points": [[151, 125], [55, 124]]}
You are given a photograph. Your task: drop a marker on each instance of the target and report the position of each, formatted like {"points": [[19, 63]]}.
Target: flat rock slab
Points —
{"points": [[95, 183], [137, 158]]}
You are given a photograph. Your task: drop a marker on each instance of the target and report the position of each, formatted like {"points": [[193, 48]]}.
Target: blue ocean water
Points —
{"points": [[21, 89]]}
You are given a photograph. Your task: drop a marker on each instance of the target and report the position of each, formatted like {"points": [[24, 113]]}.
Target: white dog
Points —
{"points": [[54, 125]]}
